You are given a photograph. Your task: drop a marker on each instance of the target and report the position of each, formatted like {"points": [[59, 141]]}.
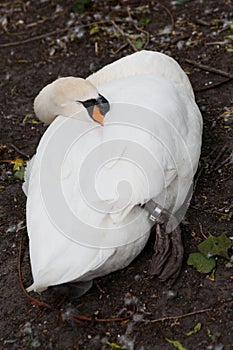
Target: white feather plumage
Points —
{"points": [[148, 149]]}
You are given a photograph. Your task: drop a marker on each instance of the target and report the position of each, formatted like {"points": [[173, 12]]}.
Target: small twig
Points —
{"points": [[96, 48], [200, 171], [167, 318], [121, 48], [213, 86], [41, 21], [147, 34], [169, 13], [45, 35], [219, 155], [209, 211], [215, 43], [100, 289], [209, 69], [37, 37], [225, 28], [124, 35], [181, 38], [19, 151], [33, 301], [201, 229], [202, 22], [224, 162], [100, 320]]}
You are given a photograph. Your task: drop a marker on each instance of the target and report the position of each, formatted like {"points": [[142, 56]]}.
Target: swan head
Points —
{"points": [[69, 96]]}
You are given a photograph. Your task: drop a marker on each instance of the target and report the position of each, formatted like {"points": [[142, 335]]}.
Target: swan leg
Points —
{"points": [[162, 249], [167, 259]]}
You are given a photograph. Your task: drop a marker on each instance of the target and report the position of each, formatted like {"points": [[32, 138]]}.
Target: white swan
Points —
{"points": [[87, 183]]}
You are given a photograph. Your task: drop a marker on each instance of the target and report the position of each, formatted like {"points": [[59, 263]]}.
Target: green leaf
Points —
{"points": [[27, 116], [94, 30], [201, 263], [180, 2], [115, 346], [176, 344], [216, 246], [195, 329], [229, 36], [223, 217], [138, 44], [229, 49], [19, 174], [144, 20], [80, 5], [35, 122], [211, 276]]}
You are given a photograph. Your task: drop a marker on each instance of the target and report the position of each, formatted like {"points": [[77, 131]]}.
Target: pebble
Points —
{"points": [[215, 347], [137, 317], [27, 328], [137, 278], [171, 294]]}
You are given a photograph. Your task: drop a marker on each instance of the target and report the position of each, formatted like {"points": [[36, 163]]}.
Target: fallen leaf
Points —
{"points": [[35, 122], [223, 217], [27, 116], [201, 263], [19, 174], [176, 344], [94, 30], [138, 44], [216, 246], [115, 346], [18, 163], [144, 20], [195, 329], [211, 276], [81, 5]]}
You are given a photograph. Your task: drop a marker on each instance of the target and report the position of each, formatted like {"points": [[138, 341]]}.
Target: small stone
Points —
{"points": [[171, 294], [219, 346], [137, 317], [137, 278], [27, 329], [35, 343]]}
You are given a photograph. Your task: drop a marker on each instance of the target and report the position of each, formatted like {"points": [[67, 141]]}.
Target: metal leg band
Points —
{"points": [[154, 209]]}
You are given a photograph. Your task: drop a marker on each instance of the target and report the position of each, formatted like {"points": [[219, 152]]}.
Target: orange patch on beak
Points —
{"points": [[97, 116]]}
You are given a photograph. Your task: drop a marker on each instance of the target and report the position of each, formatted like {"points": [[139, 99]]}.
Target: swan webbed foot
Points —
{"points": [[72, 290], [167, 259], [77, 289]]}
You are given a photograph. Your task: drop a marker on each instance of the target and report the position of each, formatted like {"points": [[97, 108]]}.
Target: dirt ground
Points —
{"points": [[41, 40]]}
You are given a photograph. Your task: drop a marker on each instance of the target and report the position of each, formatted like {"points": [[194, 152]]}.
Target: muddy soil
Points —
{"points": [[42, 40]]}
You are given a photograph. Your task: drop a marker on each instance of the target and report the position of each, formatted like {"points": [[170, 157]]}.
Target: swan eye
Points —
{"points": [[97, 108], [89, 103]]}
